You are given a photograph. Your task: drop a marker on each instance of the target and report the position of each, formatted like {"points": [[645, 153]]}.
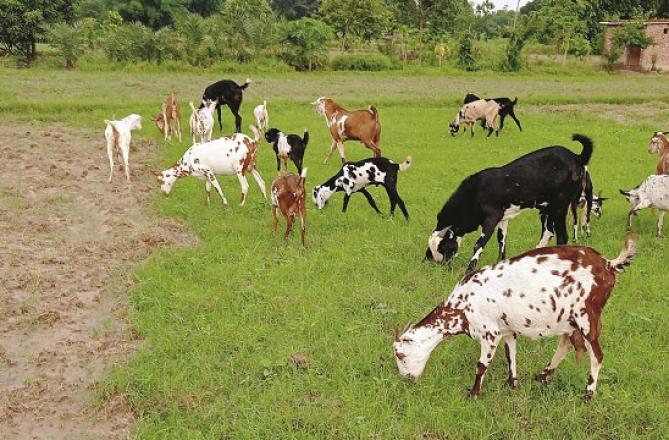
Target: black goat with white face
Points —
{"points": [[356, 176], [548, 179], [288, 146], [506, 108]]}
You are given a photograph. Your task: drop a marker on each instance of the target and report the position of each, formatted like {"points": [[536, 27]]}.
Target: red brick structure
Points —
{"points": [[642, 59]]}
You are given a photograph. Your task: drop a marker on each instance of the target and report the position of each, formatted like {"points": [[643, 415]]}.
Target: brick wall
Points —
{"points": [[660, 47]]}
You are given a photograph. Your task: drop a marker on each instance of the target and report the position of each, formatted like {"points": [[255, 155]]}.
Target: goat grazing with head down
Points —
{"points": [[660, 144], [506, 108], [345, 125], [485, 111], [653, 192], [118, 136], [553, 291], [168, 120], [289, 196]]}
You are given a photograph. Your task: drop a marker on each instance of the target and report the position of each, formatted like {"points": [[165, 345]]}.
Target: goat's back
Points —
{"points": [[362, 125]]}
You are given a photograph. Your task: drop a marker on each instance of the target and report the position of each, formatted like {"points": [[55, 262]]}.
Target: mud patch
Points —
{"points": [[69, 241]]}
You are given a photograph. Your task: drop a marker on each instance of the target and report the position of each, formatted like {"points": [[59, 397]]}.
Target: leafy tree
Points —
{"points": [[205, 8], [294, 9], [465, 54], [563, 23], [525, 29], [306, 42], [69, 40], [251, 25], [364, 19], [153, 13]]}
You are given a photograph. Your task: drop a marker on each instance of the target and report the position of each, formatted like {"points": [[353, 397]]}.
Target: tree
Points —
{"points": [[465, 55], [153, 13], [69, 40], [294, 9], [563, 23], [306, 42], [364, 19]]}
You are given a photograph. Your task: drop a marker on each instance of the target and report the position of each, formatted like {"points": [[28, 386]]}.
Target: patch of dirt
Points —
{"points": [[68, 242], [653, 114]]}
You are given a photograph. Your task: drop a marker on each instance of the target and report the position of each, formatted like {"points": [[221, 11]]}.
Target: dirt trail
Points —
{"points": [[68, 241]]}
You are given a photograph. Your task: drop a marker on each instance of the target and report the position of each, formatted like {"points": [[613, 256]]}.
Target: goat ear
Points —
{"points": [[624, 193], [156, 173], [397, 333]]}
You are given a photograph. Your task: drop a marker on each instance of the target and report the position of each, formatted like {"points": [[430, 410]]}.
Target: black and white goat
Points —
{"points": [[506, 108], [582, 207], [287, 146], [356, 176], [547, 179]]}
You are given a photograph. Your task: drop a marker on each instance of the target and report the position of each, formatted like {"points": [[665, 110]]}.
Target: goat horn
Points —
{"points": [[156, 173], [397, 333], [406, 327]]}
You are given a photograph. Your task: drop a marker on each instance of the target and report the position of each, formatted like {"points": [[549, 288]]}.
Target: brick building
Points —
{"points": [[642, 59]]}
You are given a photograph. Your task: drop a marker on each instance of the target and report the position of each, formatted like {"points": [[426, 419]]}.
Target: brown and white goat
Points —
{"points": [[553, 291], [168, 120], [660, 144], [345, 125], [118, 136], [289, 195], [481, 110]]}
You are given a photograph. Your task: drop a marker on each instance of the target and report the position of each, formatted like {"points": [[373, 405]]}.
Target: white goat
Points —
{"points": [[118, 139], [262, 117], [202, 120], [225, 156], [652, 193], [481, 110]]}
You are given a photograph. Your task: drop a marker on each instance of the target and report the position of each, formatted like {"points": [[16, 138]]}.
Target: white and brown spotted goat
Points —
{"points": [[554, 291], [345, 125]]}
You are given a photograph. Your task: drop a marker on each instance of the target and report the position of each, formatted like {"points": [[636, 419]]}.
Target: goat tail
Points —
{"points": [[256, 133], [626, 255], [586, 154], [305, 137], [406, 164], [374, 112], [246, 84], [515, 101]]}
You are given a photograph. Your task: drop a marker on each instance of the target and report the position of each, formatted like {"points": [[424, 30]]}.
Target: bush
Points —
{"points": [[68, 40], [465, 55], [306, 42], [371, 63]]}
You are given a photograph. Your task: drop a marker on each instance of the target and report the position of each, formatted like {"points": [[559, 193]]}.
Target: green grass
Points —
{"points": [[221, 320]]}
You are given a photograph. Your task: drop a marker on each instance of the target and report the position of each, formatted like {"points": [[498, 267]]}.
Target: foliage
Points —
{"points": [[465, 53], [371, 63], [295, 9], [69, 40], [563, 23], [355, 19], [306, 43], [632, 34], [526, 27]]}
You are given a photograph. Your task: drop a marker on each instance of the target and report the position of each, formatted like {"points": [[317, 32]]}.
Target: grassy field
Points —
{"points": [[221, 319]]}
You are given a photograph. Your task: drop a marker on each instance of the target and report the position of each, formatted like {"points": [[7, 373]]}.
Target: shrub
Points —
{"points": [[306, 43], [372, 63], [465, 55], [69, 40]]}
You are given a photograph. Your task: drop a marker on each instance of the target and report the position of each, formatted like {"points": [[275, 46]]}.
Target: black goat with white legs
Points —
{"points": [[548, 179], [288, 146], [356, 176], [506, 108]]}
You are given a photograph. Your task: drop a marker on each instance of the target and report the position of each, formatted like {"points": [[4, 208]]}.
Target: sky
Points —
{"points": [[499, 4]]}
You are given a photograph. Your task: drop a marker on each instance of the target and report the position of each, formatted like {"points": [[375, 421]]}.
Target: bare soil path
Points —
{"points": [[68, 242]]}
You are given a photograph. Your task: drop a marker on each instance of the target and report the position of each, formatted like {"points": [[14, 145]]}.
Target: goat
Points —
{"points": [[202, 121], [547, 179], [653, 192], [660, 144], [345, 125], [553, 291], [356, 176], [261, 116], [229, 93], [481, 110], [169, 119], [583, 206], [289, 195], [506, 108], [226, 156], [118, 136], [286, 147]]}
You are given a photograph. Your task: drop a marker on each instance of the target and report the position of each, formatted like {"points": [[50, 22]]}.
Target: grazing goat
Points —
{"points": [[289, 195], [583, 206], [229, 93], [356, 176], [651, 193], [202, 121], [287, 146], [506, 108], [660, 144], [481, 110], [345, 125], [169, 119], [553, 291], [261, 116], [547, 179], [225, 156], [118, 136]]}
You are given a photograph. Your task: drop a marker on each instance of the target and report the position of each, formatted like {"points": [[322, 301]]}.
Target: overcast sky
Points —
{"points": [[499, 4]]}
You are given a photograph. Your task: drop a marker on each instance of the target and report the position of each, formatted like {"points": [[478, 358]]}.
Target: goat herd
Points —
{"points": [[548, 291]]}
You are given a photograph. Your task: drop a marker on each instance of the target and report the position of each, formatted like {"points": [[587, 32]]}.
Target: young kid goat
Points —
{"points": [[234, 155], [202, 120], [261, 116], [651, 193], [117, 134], [581, 208], [287, 146], [554, 291], [169, 119], [356, 176], [660, 144], [481, 110], [289, 195]]}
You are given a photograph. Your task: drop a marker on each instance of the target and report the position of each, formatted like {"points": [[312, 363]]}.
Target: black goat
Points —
{"points": [[548, 179], [356, 176], [229, 93], [506, 108], [287, 146]]}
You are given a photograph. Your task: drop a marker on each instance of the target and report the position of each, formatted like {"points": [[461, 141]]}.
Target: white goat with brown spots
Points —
{"points": [[553, 291], [118, 136]]}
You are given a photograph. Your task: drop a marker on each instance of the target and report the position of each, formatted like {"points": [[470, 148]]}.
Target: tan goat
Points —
{"points": [[660, 144], [168, 120], [481, 110], [289, 195]]}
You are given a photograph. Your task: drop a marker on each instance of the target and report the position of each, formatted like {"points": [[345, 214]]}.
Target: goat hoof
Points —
{"points": [[542, 377], [512, 382], [473, 396], [588, 396]]}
